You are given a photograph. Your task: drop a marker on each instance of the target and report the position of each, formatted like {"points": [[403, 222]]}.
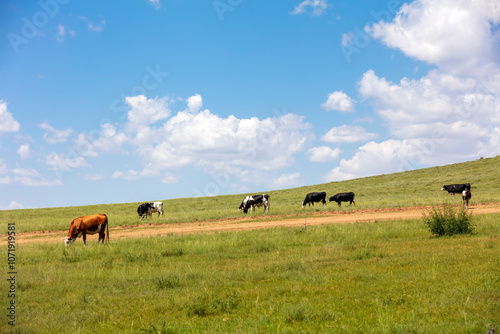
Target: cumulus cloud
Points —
{"points": [[194, 103], [323, 154], [460, 115], [339, 101], [316, 7], [450, 114], [7, 122], [24, 176], [54, 136], [194, 136], [348, 134], [456, 35], [63, 162], [144, 111], [12, 206], [93, 143], [286, 180], [24, 151], [166, 141], [372, 159], [128, 175]]}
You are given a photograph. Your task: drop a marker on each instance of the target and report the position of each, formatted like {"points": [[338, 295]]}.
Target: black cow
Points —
{"points": [[453, 189], [314, 197], [250, 202], [144, 210], [343, 197], [466, 196]]}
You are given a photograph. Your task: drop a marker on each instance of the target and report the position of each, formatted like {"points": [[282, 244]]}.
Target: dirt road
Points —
{"points": [[250, 222]]}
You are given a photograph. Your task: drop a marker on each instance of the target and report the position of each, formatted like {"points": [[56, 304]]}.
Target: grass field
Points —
{"points": [[382, 277], [419, 187]]}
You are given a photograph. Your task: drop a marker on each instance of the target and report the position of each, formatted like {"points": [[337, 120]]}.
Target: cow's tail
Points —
{"points": [[107, 228]]}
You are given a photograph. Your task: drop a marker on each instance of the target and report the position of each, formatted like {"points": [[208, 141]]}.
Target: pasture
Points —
{"points": [[382, 277], [412, 188]]}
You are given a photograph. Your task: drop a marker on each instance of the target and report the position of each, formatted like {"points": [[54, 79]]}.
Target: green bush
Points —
{"points": [[446, 219]]}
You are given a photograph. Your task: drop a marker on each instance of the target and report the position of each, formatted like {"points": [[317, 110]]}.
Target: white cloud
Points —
{"points": [[144, 111], [128, 175], [286, 180], [61, 31], [97, 142], [317, 7], [155, 3], [61, 162], [31, 177], [92, 26], [348, 134], [94, 177], [24, 151], [458, 115], [54, 136], [12, 206], [7, 122], [323, 154], [199, 138], [194, 103], [372, 159], [456, 35], [450, 114], [339, 101]]}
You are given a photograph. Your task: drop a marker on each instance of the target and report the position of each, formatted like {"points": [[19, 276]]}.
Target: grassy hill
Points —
{"points": [[418, 187]]}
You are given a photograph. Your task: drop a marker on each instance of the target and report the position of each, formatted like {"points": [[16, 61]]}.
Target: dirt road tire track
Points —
{"points": [[250, 223]]}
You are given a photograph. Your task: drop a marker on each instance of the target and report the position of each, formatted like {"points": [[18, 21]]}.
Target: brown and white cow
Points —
{"points": [[466, 196], [82, 226]]}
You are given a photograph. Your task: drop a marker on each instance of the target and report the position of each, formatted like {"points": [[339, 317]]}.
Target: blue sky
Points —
{"points": [[150, 100]]}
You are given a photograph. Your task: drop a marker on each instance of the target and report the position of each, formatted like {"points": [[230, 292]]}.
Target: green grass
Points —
{"points": [[419, 187], [382, 277]]}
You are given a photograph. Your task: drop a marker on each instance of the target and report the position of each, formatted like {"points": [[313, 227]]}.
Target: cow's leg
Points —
{"points": [[339, 204], [84, 236]]}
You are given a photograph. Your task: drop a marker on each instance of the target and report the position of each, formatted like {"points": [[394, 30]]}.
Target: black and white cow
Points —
{"points": [[157, 207], [250, 202], [453, 189], [144, 210], [466, 196], [314, 197], [342, 197]]}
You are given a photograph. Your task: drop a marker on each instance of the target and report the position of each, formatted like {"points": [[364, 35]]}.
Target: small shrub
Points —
{"points": [[448, 220], [173, 252], [168, 282]]}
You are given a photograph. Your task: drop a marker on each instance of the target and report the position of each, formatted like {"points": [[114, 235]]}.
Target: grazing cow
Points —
{"points": [[82, 226], [466, 196], [314, 197], [157, 207], [250, 202], [453, 189], [342, 197], [144, 210]]}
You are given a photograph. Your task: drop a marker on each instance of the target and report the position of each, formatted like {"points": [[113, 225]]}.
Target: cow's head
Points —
{"points": [[68, 241], [443, 189]]}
